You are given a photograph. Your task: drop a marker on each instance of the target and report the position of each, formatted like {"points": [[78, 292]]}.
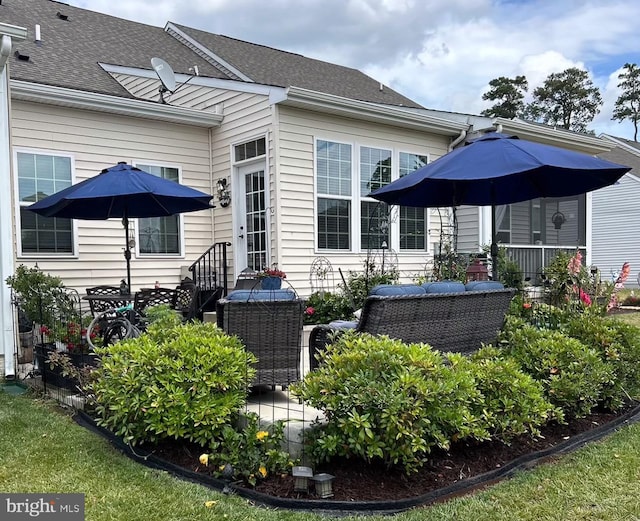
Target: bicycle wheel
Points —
{"points": [[117, 330]]}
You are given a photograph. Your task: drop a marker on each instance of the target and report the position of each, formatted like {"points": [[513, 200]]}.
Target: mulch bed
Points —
{"points": [[358, 481]]}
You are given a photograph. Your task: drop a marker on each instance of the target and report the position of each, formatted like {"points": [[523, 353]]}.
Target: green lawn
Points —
{"points": [[43, 450]]}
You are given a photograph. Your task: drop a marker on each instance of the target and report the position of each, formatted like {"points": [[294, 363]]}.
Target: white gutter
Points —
{"points": [[60, 96], [552, 136], [387, 114], [7, 332]]}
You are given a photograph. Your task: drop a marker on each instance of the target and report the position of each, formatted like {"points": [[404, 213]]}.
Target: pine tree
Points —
{"points": [[510, 93], [628, 103], [567, 99]]}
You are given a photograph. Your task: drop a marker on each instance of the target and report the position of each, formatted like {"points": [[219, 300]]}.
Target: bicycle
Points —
{"points": [[115, 324]]}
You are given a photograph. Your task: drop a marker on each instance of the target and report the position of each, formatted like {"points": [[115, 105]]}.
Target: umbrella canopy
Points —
{"points": [[498, 169], [122, 191]]}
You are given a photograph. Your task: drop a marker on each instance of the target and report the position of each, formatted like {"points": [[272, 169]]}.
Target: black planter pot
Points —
{"points": [[53, 375]]}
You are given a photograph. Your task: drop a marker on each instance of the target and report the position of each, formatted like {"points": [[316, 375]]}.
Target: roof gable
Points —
{"points": [[270, 66]]}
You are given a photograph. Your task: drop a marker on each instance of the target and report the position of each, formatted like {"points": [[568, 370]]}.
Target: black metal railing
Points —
{"points": [[210, 275]]}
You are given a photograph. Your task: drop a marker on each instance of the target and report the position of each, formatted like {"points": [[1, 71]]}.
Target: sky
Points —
{"points": [[440, 53]]}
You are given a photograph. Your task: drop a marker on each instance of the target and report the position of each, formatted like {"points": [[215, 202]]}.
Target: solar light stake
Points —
{"points": [[302, 475], [324, 487]]}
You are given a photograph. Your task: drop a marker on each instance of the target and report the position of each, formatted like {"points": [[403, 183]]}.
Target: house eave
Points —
{"points": [[51, 95], [552, 136], [374, 112]]}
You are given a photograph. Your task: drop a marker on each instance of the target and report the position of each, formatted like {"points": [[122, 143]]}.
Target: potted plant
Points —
{"points": [[36, 295], [271, 278]]}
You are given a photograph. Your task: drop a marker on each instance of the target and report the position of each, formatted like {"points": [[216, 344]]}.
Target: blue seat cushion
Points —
{"points": [[386, 290], [343, 324], [247, 295], [445, 286], [483, 285]]}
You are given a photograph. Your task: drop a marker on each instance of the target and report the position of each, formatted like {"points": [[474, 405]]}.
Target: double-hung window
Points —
{"points": [[41, 175], [160, 235], [345, 175], [413, 221], [334, 166]]}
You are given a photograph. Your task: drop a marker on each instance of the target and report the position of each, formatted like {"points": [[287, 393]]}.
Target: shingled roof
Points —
{"points": [[71, 48], [269, 66], [74, 41]]}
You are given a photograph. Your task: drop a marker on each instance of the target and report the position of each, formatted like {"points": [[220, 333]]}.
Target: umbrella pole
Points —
{"points": [[127, 251], [494, 245]]}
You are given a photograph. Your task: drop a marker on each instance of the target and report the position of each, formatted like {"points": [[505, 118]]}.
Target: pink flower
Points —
{"points": [[309, 311], [575, 264], [585, 298]]}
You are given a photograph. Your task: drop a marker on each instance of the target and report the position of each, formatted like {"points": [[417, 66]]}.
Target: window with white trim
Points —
{"points": [[160, 235], [41, 175], [413, 221], [343, 209], [333, 185]]}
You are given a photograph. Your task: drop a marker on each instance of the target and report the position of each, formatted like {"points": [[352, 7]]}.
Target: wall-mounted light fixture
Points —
{"points": [[558, 219], [224, 194]]}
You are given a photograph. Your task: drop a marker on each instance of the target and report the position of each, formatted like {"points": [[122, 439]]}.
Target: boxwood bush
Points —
{"points": [[618, 345], [511, 402], [393, 402], [183, 381], [574, 375]]}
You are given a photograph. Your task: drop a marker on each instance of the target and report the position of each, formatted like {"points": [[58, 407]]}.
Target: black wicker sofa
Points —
{"points": [[449, 316]]}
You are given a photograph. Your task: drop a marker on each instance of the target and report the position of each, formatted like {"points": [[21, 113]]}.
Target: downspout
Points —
{"points": [[8, 338], [456, 141]]}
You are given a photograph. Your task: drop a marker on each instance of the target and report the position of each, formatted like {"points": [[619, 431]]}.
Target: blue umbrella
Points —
{"points": [[122, 191], [498, 169]]}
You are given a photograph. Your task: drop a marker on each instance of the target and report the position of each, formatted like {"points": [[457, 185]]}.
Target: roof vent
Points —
{"points": [[22, 57], [62, 16]]}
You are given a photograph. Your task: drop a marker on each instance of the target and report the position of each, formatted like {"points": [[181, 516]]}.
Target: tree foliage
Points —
{"points": [[628, 103], [509, 92], [567, 99]]}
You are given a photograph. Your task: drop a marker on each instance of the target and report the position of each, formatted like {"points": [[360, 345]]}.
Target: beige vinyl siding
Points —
{"points": [[246, 117], [97, 140], [296, 132], [615, 234]]}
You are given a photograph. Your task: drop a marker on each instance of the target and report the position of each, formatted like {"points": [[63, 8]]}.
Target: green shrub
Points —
{"points": [[187, 381], [358, 285], [387, 401], [250, 453], [511, 402], [573, 374], [324, 306], [163, 317], [618, 345]]}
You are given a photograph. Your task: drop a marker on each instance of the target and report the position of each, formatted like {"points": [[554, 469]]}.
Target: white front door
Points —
{"points": [[250, 245]]}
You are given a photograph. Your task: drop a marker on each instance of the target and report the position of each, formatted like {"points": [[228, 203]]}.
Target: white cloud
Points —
{"points": [[441, 53]]}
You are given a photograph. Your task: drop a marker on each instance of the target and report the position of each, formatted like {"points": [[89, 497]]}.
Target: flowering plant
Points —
{"points": [[272, 272], [68, 336]]}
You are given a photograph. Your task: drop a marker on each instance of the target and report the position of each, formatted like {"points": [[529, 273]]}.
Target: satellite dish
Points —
{"points": [[165, 73]]}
